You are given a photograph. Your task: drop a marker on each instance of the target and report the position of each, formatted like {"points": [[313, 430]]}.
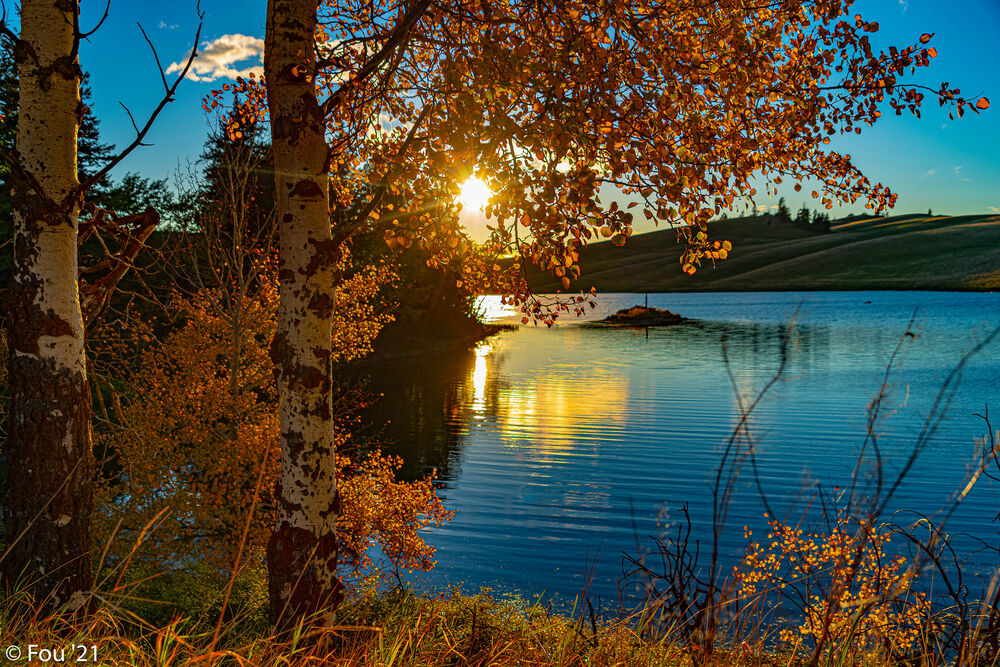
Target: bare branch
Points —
{"points": [[168, 97], [156, 57], [94, 297], [85, 35], [131, 118], [397, 38]]}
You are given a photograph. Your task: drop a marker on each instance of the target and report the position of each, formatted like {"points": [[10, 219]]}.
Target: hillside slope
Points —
{"points": [[902, 252]]}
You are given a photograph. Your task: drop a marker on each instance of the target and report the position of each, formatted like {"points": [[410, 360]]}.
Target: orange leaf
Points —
{"points": [[983, 103]]}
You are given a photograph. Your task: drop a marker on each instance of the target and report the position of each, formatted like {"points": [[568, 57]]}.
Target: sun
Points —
{"points": [[475, 194]]}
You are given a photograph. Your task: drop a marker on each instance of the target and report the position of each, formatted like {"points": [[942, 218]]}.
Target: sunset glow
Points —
{"points": [[475, 194]]}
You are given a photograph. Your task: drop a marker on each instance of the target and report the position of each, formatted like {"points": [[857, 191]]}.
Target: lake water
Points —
{"points": [[564, 448]]}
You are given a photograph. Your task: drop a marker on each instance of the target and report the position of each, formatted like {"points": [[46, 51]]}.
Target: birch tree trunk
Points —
{"points": [[50, 467], [302, 551]]}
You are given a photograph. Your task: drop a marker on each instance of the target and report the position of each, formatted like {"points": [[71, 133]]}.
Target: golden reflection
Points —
{"points": [[491, 308], [555, 418], [479, 378], [554, 415]]}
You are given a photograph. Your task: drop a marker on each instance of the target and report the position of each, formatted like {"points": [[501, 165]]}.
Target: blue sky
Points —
{"points": [[950, 166]]}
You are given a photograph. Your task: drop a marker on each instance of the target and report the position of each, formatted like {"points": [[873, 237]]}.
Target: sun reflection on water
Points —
{"points": [[551, 419], [491, 308], [479, 374], [550, 415]]}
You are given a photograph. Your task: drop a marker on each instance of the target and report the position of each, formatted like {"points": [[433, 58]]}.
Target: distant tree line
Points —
{"points": [[815, 221]]}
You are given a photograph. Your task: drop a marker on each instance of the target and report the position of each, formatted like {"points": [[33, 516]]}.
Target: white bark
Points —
{"points": [[302, 552], [48, 122], [49, 496]]}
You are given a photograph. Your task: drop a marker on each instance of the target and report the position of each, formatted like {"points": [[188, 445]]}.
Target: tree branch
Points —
{"points": [[397, 37], [85, 35], [168, 97], [390, 177], [94, 297]]}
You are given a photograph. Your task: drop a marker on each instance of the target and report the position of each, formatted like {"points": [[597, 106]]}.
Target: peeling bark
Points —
{"points": [[302, 551], [48, 499]]}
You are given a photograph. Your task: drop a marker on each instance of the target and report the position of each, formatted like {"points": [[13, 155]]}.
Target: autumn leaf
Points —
{"points": [[556, 117]]}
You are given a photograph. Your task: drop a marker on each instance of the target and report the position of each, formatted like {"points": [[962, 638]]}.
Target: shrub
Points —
{"points": [[197, 443], [852, 596]]}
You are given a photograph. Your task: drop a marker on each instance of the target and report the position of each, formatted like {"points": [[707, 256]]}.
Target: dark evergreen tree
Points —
{"points": [[783, 217], [92, 153], [132, 194], [802, 219], [821, 221], [226, 159]]}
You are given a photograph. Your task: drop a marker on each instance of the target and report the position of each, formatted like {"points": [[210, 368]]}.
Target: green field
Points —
{"points": [[906, 252]]}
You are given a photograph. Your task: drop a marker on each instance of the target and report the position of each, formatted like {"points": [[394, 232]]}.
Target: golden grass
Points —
{"points": [[396, 628]]}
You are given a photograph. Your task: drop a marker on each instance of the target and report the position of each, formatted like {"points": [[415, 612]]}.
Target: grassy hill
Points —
{"points": [[901, 252]]}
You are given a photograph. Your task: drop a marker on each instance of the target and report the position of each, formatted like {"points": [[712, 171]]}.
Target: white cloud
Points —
{"points": [[163, 24], [904, 4], [959, 175], [930, 172], [994, 209], [224, 58]]}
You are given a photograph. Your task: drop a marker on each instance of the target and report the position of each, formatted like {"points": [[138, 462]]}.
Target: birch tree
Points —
{"points": [[302, 551], [49, 495], [50, 464]]}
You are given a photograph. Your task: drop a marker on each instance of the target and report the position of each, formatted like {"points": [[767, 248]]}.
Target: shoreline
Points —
{"points": [[432, 347], [791, 290]]}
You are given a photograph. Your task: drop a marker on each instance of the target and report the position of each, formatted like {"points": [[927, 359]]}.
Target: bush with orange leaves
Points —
{"points": [[852, 595], [197, 434], [377, 509]]}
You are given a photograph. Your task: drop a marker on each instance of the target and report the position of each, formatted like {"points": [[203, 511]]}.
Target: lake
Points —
{"points": [[564, 448]]}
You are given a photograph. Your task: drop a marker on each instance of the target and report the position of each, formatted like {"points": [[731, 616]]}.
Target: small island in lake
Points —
{"points": [[643, 316]]}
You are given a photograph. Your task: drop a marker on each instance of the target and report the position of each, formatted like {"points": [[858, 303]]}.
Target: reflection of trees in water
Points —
{"points": [[756, 343], [428, 404], [418, 411]]}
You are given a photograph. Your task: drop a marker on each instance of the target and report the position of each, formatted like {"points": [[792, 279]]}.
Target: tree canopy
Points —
{"points": [[564, 109]]}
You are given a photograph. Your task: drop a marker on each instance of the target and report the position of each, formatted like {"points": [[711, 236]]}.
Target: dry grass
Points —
{"points": [[401, 628], [395, 628]]}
